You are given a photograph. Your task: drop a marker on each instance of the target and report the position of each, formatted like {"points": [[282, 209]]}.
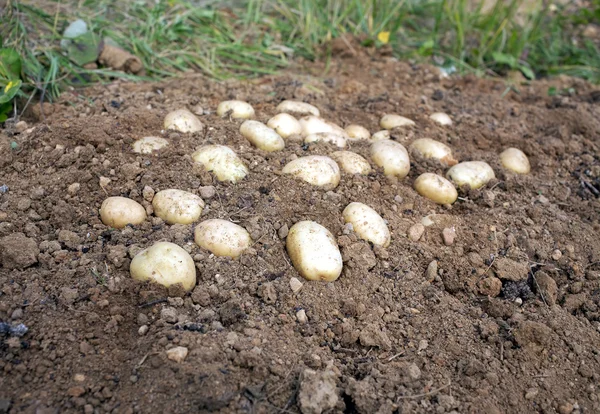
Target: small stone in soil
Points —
{"points": [[207, 192], [283, 231], [556, 255], [432, 270], [177, 354], [416, 231], [295, 285], [143, 330], [301, 316], [73, 188], [318, 391], [449, 234], [148, 193], [169, 315]]}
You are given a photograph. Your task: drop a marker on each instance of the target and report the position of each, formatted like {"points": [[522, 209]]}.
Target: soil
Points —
{"points": [[504, 319]]}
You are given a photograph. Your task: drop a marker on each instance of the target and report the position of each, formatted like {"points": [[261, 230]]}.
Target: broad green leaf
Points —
{"points": [[505, 59], [9, 91], [5, 109], [527, 72], [83, 49], [10, 64]]}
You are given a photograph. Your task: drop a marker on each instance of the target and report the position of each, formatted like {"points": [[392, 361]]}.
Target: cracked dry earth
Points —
{"points": [[505, 319]]}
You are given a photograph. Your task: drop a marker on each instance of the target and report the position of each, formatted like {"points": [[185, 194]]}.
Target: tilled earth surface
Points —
{"points": [[504, 319]]}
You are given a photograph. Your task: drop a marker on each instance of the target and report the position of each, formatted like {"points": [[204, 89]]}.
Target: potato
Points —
{"points": [[314, 251], [515, 160], [221, 161], [177, 206], [367, 223], [357, 132], [381, 136], [351, 162], [314, 125], [261, 136], [147, 145], [475, 173], [118, 212], [166, 264], [334, 139], [299, 108], [429, 148], [317, 170], [285, 125], [391, 121], [441, 118], [239, 109], [222, 237], [392, 156], [183, 120], [436, 188]]}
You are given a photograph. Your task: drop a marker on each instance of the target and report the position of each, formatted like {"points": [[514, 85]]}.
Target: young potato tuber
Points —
{"points": [[314, 125], [222, 237], [515, 160], [177, 206], [381, 136], [118, 212], [261, 136], [391, 121], [441, 118], [166, 264], [436, 188], [239, 109], [221, 161], [357, 132], [429, 148], [332, 138], [474, 173], [285, 125], [367, 223], [317, 170], [392, 157], [183, 120], [148, 145], [298, 108], [351, 162], [314, 251]]}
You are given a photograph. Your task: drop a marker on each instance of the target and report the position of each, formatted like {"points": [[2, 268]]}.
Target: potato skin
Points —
{"points": [[515, 160], [118, 212], [166, 264], [222, 237], [392, 157], [316, 170], [177, 206], [183, 120], [475, 173], [436, 188], [367, 223], [222, 161]]}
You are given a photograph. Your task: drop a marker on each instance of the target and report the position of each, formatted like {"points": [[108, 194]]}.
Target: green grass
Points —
{"points": [[258, 37]]}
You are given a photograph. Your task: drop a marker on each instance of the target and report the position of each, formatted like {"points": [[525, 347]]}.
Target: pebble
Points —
{"points": [[295, 285], [531, 393], [283, 231], [207, 192], [142, 319], [416, 231], [318, 391], [143, 330], [449, 234], [73, 188], [21, 127], [79, 377], [565, 408], [17, 314], [426, 221], [104, 182], [177, 354], [76, 391], [432, 270], [556, 255], [148, 193], [169, 315], [301, 316]]}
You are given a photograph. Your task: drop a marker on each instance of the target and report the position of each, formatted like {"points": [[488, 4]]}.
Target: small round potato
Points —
{"points": [[357, 132], [436, 188], [177, 206], [392, 157], [239, 109], [118, 212], [515, 160], [441, 118], [314, 251], [475, 173], [314, 125], [166, 264], [429, 148], [183, 120], [329, 137], [148, 145], [351, 162], [221, 161], [317, 170], [261, 136], [381, 136], [367, 223], [298, 108], [391, 121], [222, 237], [285, 125]]}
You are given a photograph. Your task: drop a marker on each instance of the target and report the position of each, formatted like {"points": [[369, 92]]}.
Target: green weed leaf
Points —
{"points": [[9, 90], [83, 49], [504, 59], [10, 64]]}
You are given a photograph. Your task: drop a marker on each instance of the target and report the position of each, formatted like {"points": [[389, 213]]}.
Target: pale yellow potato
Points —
{"points": [[183, 120], [222, 237], [515, 160], [351, 162], [475, 173], [177, 206], [314, 125], [381, 136], [357, 132], [329, 137], [367, 223], [285, 125], [436, 188], [166, 264], [392, 157], [222, 161], [118, 212], [261, 136], [441, 118], [239, 109], [318, 170], [298, 108], [391, 121], [147, 145], [314, 251], [429, 148]]}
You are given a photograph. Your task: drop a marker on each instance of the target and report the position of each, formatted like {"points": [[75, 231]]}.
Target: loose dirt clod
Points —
{"points": [[318, 391]]}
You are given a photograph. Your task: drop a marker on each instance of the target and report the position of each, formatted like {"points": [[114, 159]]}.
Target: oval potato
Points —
{"points": [[429, 148], [222, 237], [177, 206], [297, 107], [285, 125], [317, 170], [329, 137], [357, 132], [239, 109], [261, 136], [118, 212], [391, 121], [475, 173], [392, 157], [314, 125], [381, 136], [183, 120], [367, 223], [221, 161], [351, 162], [147, 145], [436, 188], [166, 264], [441, 118], [515, 160]]}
